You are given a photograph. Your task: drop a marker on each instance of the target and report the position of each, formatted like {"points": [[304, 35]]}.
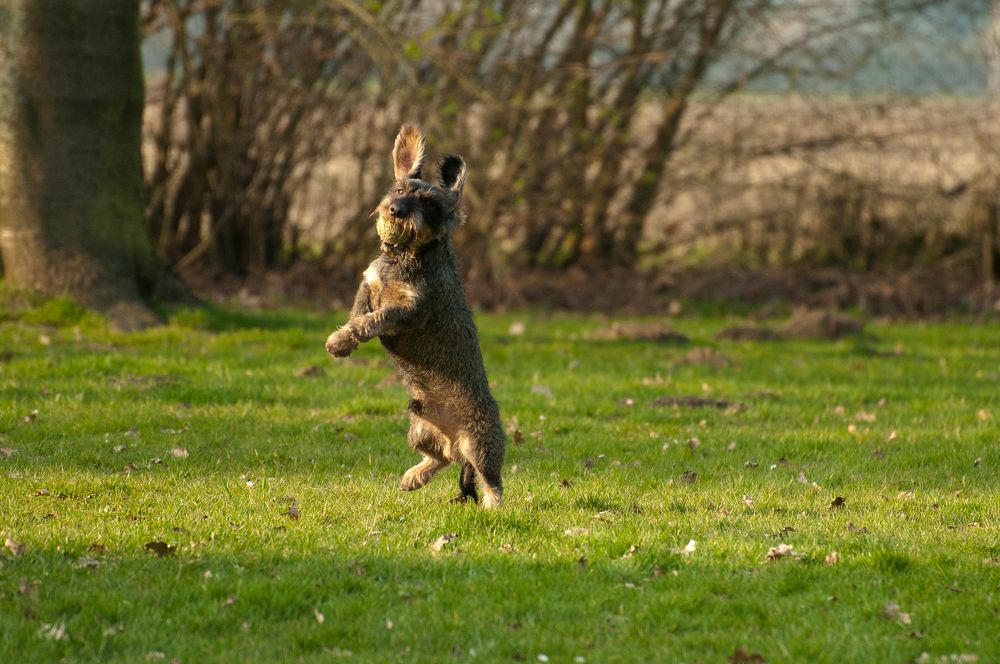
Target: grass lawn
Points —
{"points": [[187, 494]]}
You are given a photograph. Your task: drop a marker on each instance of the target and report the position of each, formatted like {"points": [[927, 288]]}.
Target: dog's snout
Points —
{"points": [[399, 209]]}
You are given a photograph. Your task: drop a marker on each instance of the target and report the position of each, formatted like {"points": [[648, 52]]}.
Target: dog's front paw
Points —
{"points": [[341, 343]]}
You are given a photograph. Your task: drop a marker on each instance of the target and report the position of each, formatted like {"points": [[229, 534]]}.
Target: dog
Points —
{"points": [[413, 300]]}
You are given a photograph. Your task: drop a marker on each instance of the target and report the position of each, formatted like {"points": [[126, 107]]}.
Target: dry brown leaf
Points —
{"points": [[689, 477], [837, 502], [7, 452], [319, 616], [293, 512], [16, 548], [743, 654], [832, 558], [88, 563], [748, 501], [783, 551], [632, 550], [179, 453], [443, 541], [854, 529], [312, 371], [892, 612], [161, 549], [27, 588], [984, 415], [576, 531]]}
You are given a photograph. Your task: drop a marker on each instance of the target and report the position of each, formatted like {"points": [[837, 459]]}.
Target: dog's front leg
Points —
{"points": [[381, 321], [342, 342]]}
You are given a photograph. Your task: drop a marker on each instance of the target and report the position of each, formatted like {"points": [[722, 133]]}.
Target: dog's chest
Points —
{"points": [[384, 292]]}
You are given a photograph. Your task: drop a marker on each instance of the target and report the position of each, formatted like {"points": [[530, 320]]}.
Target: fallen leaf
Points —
{"points": [[689, 477], [16, 548], [7, 452], [179, 453], [750, 464], [90, 563], [862, 416], [27, 588], [97, 548], [443, 541], [687, 550], [576, 531], [694, 443], [978, 461], [783, 551], [694, 402], [516, 329], [31, 417], [565, 484], [984, 415], [632, 550], [905, 494], [854, 529], [832, 558], [518, 437], [293, 512], [161, 549], [319, 616], [892, 612], [837, 502], [312, 371], [743, 654], [748, 501], [53, 632]]}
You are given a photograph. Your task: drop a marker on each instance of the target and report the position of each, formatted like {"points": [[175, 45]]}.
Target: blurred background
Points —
{"points": [[621, 152]]}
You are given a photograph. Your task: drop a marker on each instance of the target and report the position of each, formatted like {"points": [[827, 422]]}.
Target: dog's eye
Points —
{"points": [[399, 190]]}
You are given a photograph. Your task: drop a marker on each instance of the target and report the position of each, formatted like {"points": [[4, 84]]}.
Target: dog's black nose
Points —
{"points": [[399, 209]]}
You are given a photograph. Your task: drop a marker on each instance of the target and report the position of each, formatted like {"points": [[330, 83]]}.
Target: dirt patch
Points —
{"points": [[746, 333], [822, 324], [638, 331], [694, 402]]}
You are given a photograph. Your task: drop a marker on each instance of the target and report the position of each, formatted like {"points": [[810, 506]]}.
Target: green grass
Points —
{"points": [[903, 426]]}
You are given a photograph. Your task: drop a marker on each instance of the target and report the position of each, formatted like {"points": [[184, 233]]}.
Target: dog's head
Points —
{"points": [[415, 212]]}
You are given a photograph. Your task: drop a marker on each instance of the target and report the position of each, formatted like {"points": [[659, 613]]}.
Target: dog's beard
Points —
{"points": [[400, 234]]}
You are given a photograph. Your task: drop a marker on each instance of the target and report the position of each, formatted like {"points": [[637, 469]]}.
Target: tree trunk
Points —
{"points": [[71, 201]]}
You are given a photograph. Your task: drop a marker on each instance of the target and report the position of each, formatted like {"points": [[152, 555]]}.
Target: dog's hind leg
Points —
{"points": [[426, 439], [467, 484], [486, 457]]}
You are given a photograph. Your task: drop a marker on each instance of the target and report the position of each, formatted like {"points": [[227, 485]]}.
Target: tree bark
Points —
{"points": [[71, 197]]}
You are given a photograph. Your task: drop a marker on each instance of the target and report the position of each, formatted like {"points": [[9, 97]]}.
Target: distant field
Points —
{"points": [[200, 493]]}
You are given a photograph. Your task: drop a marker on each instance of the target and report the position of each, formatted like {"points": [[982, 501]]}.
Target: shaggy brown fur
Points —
{"points": [[412, 299]]}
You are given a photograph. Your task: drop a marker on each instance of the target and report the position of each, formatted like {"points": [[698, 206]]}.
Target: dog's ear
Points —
{"points": [[451, 173], [408, 153]]}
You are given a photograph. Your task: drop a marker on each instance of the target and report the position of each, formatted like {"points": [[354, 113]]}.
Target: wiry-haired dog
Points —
{"points": [[412, 299]]}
